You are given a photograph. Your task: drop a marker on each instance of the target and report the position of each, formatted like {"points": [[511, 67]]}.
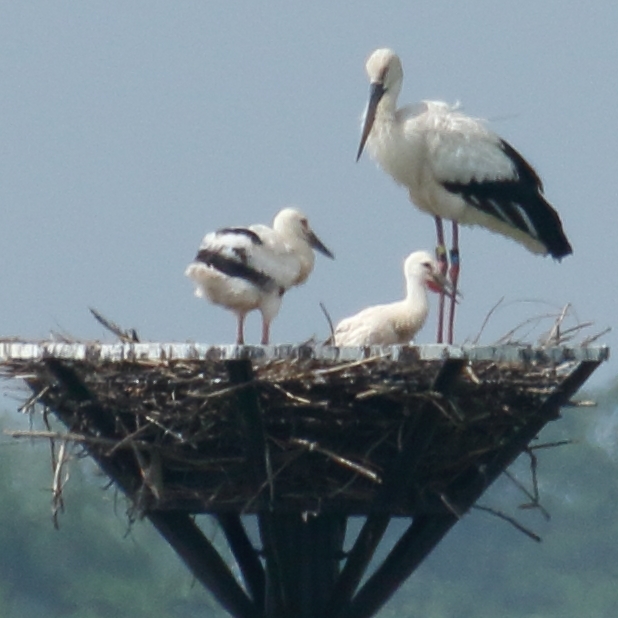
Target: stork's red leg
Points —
{"points": [[454, 276], [265, 332], [240, 330], [443, 265]]}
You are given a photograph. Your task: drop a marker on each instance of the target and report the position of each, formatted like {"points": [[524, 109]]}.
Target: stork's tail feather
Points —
{"points": [[560, 248], [550, 232]]}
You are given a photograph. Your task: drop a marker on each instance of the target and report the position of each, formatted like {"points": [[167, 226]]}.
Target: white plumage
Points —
{"points": [[248, 268], [396, 322], [455, 168]]}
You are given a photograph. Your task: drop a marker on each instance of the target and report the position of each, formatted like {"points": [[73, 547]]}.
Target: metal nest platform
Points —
{"points": [[303, 437]]}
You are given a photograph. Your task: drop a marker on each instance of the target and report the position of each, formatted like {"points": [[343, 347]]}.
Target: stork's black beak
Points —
{"points": [[376, 92], [318, 245]]}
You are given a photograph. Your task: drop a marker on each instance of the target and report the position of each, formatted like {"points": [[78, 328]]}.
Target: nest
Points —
{"points": [[326, 435]]}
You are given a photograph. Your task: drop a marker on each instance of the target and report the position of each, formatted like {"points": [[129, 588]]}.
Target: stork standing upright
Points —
{"points": [[396, 322], [247, 268], [455, 168]]}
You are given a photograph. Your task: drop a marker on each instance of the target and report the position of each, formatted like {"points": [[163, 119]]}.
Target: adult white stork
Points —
{"points": [[396, 322], [247, 268], [455, 168]]}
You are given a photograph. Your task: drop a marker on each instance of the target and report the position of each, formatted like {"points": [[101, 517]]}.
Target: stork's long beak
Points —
{"points": [[318, 245], [441, 285], [376, 92]]}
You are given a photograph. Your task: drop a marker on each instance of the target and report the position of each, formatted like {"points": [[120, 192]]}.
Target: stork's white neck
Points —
{"points": [[394, 151], [303, 252], [416, 299], [416, 292]]}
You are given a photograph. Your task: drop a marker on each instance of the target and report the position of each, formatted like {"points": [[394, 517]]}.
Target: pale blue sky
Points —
{"points": [[129, 129]]}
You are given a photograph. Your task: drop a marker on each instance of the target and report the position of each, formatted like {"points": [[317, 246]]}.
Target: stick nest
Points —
{"points": [[332, 431]]}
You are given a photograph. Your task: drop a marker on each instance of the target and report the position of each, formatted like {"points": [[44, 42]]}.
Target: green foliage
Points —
{"points": [[486, 568], [95, 565]]}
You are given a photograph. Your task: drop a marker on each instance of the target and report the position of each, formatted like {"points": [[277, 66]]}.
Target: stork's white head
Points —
{"points": [[420, 265], [293, 223], [385, 76], [421, 268], [384, 68]]}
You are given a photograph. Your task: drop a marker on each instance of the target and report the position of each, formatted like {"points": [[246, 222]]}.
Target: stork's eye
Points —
{"points": [[304, 223]]}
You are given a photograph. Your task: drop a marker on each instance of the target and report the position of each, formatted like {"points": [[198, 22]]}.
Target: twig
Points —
{"points": [[151, 471], [346, 463], [128, 438], [342, 368], [486, 320], [166, 430], [54, 435], [566, 334], [510, 520], [324, 372], [270, 480], [588, 340], [62, 335], [331, 340], [507, 338], [537, 447], [225, 391], [302, 400], [58, 483], [73, 437], [450, 506], [29, 404], [583, 403], [553, 337], [452, 413], [534, 500], [127, 336]]}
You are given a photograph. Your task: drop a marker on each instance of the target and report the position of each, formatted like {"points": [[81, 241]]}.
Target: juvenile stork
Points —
{"points": [[396, 322], [247, 268], [455, 168]]}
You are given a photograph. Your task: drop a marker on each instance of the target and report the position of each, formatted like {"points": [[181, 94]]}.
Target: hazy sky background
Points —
{"points": [[129, 129]]}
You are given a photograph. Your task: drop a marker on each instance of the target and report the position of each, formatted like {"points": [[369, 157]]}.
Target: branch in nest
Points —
{"points": [[126, 336], [346, 463], [554, 336], [533, 497], [77, 438], [510, 520], [486, 320], [331, 339], [58, 482], [531, 322], [29, 404], [537, 447], [562, 337], [296, 398], [592, 338]]}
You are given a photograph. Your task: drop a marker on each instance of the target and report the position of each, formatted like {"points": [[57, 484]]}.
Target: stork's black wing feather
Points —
{"points": [[235, 267], [250, 234], [519, 202]]}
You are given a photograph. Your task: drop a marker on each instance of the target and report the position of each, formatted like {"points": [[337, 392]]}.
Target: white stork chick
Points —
{"points": [[396, 322], [248, 268], [455, 168]]}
